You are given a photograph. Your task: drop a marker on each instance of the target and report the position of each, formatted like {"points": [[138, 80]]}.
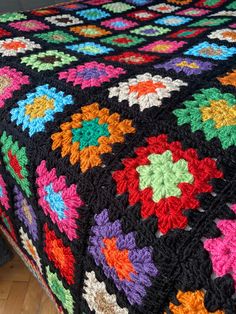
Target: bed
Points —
{"points": [[117, 153]]}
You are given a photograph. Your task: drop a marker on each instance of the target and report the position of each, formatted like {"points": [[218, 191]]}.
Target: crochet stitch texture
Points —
{"points": [[117, 153]]}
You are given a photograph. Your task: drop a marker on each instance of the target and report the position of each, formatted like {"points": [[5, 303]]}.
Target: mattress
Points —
{"points": [[117, 153]]}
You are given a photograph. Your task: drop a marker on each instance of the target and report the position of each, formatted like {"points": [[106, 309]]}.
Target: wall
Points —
{"points": [[16, 5]]}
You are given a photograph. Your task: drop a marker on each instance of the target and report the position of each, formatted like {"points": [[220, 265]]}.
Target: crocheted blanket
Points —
{"points": [[117, 147]]}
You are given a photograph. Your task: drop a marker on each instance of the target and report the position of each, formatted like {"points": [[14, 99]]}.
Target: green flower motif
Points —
{"points": [[150, 30], [212, 112], [16, 160], [164, 175], [117, 7], [56, 37], [123, 40], [231, 6], [13, 16], [61, 293], [48, 60], [210, 22]]}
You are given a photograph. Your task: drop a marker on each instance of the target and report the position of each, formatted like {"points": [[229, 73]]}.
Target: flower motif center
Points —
{"points": [[14, 45], [118, 259], [38, 107], [30, 24], [58, 37], [89, 133], [211, 51], [55, 201], [49, 59], [229, 34], [90, 73], [191, 65], [118, 24], [220, 112], [5, 82], [163, 175], [26, 210], [15, 164], [161, 47], [122, 40], [102, 303], [30, 249], [146, 87]]}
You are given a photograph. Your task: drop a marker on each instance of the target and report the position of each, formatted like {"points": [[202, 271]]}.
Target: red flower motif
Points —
{"points": [[130, 57], [43, 12], [143, 15], [4, 33], [59, 254], [169, 209]]}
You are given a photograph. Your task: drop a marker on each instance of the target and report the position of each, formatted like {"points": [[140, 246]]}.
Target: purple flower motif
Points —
{"points": [[25, 213], [186, 65], [129, 267]]}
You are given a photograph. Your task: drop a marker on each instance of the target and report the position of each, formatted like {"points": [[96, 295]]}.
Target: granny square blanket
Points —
{"points": [[118, 156]]}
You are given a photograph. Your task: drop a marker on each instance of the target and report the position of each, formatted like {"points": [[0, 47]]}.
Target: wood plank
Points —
{"points": [[13, 304], [5, 286], [32, 298], [47, 306], [14, 270], [2, 305]]}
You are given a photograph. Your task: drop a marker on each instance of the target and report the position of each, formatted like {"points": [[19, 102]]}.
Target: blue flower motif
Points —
{"points": [[39, 108], [90, 48], [139, 2], [93, 14], [173, 20], [213, 51]]}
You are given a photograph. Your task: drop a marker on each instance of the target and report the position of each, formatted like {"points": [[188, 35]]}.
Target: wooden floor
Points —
{"points": [[20, 293]]}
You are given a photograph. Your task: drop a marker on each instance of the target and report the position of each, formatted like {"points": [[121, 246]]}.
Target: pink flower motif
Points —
{"points": [[4, 200], [10, 81], [58, 200], [119, 23], [29, 25], [91, 74], [223, 250]]}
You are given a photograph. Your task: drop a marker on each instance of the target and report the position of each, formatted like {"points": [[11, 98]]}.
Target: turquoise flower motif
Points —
{"points": [[173, 20], [93, 14], [39, 108], [212, 51], [90, 48]]}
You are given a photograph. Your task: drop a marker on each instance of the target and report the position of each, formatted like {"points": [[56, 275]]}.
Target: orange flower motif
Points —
{"points": [[191, 303], [90, 134], [91, 31], [228, 79]]}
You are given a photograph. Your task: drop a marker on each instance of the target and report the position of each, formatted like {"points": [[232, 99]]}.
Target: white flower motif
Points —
{"points": [[224, 13], [227, 34], [63, 20], [97, 297], [145, 90], [30, 248], [163, 8], [12, 46]]}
